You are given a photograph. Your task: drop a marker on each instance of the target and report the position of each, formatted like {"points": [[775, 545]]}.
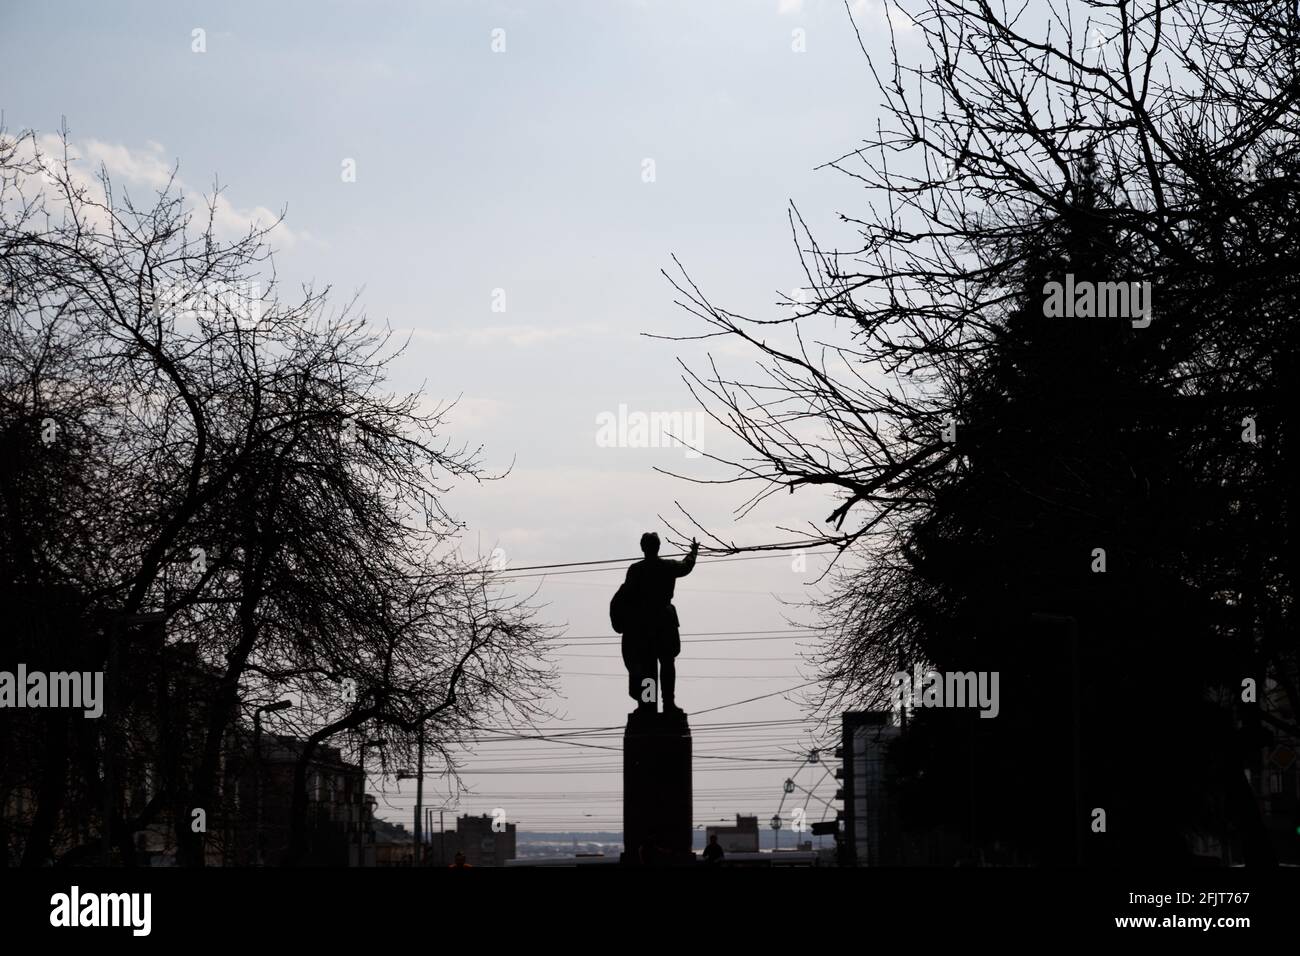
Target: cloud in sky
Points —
{"points": [[147, 167], [519, 335], [859, 8], [900, 18], [472, 411]]}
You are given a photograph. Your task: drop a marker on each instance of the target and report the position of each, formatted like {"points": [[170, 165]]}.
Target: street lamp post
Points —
{"points": [[257, 760], [419, 800], [361, 801]]}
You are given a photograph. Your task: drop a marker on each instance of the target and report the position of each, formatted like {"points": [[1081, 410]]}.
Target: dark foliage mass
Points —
{"points": [[982, 449]]}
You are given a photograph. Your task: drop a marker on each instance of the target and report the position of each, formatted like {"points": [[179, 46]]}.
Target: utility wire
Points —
{"points": [[780, 545], [511, 574], [777, 630]]}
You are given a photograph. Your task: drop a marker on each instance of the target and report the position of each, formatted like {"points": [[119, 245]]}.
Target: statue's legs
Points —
{"points": [[670, 645], [667, 680]]}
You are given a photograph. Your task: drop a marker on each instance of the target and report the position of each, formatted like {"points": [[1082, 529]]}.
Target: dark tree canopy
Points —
{"points": [[981, 450]]}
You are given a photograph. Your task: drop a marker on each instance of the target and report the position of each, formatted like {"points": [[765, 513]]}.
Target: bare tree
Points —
{"points": [[1152, 141], [238, 466]]}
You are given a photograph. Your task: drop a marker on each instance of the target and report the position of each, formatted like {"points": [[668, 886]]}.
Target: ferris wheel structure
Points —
{"points": [[807, 797]]}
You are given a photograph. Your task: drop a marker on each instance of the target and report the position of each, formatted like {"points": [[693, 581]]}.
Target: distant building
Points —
{"points": [[742, 838], [393, 844], [160, 674], [475, 838], [1275, 777], [340, 815], [870, 816]]}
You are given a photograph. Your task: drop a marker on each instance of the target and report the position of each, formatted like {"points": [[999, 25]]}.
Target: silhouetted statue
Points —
{"points": [[643, 611]]}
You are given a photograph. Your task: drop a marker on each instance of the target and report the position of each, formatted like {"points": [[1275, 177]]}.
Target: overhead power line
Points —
{"points": [[614, 565], [623, 677], [775, 630], [596, 639], [778, 546]]}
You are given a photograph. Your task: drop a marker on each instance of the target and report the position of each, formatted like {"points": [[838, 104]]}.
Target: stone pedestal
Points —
{"points": [[657, 789]]}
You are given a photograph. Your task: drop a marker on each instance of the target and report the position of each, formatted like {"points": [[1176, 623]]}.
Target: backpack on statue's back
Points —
{"points": [[619, 608]]}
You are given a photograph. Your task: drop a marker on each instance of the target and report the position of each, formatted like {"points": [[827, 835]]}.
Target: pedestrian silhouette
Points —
{"points": [[643, 611], [713, 853]]}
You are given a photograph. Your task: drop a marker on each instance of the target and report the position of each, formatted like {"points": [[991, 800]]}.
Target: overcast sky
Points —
{"points": [[501, 215]]}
